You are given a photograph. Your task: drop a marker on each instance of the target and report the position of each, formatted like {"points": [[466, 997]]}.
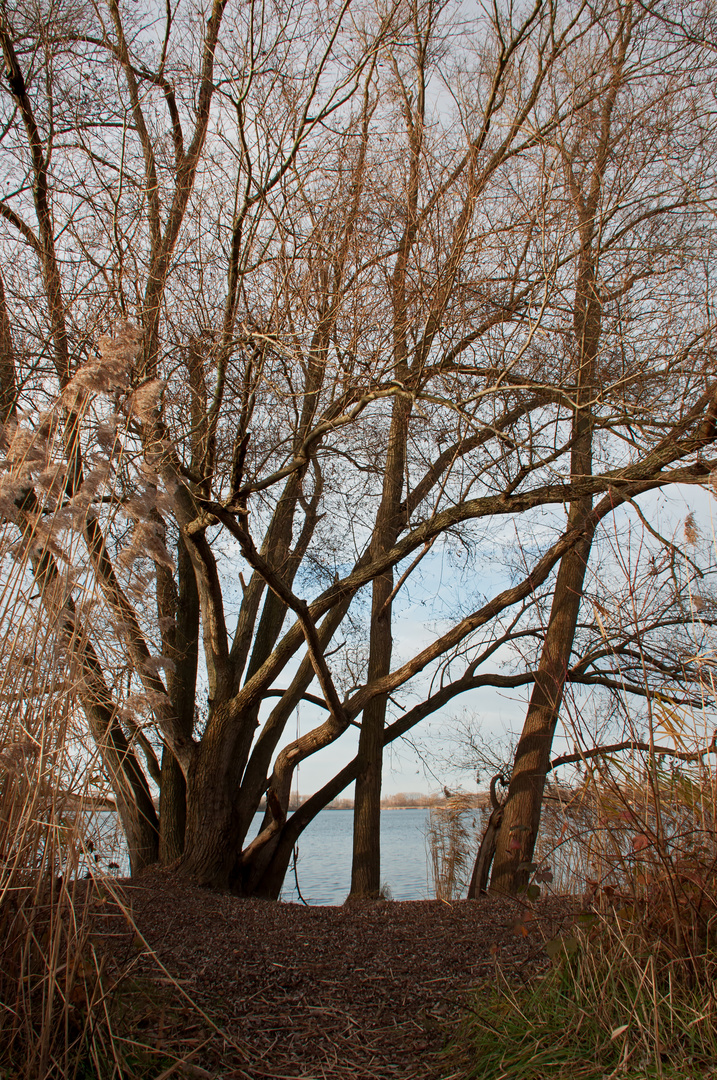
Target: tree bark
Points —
{"points": [[210, 844], [521, 814], [366, 862], [182, 646]]}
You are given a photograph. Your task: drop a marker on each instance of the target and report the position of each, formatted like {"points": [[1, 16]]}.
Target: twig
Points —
{"points": [[296, 876]]}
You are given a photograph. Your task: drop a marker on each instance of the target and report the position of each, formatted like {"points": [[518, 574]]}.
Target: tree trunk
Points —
{"points": [[366, 863], [134, 801], [521, 816], [172, 809], [272, 878], [182, 645], [486, 852], [210, 842], [521, 812]]}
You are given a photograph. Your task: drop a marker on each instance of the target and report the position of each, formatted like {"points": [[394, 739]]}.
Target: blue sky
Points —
{"points": [[498, 713]]}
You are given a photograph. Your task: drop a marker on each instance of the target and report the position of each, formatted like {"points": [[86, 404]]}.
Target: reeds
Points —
{"points": [[451, 840], [68, 1008], [65, 1007], [630, 992], [52, 984], [609, 1007]]}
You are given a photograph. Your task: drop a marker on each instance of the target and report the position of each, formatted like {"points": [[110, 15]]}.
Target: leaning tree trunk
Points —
{"points": [[518, 831], [515, 842], [134, 801], [521, 814], [269, 883]]}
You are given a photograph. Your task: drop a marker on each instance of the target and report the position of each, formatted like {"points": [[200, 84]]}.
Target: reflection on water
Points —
{"points": [[323, 864]]}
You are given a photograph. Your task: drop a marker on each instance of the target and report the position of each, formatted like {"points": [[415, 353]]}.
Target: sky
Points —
{"points": [[498, 714]]}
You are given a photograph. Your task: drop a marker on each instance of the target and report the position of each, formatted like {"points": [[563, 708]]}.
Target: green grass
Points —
{"points": [[607, 1010]]}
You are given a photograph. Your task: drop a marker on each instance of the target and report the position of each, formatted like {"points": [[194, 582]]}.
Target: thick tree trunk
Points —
{"points": [[172, 809], [210, 842], [521, 813], [366, 864]]}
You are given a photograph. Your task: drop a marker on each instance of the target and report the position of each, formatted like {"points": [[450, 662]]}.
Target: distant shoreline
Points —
{"points": [[478, 800]]}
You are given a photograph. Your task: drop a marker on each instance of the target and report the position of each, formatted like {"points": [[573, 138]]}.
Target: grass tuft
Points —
{"points": [[606, 1008], [631, 989]]}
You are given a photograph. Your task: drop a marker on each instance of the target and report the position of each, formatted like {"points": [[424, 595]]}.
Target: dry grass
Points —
{"points": [[65, 1012], [69, 1010], [631, 990], [451, 839]]}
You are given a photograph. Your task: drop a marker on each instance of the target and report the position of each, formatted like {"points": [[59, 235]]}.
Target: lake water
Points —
{"points": [[324, 857], [323, 864]]}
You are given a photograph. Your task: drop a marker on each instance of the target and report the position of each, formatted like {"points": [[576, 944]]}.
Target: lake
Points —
{"points": [[324, 855]]}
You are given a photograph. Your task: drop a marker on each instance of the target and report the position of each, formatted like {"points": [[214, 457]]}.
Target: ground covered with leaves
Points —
{"points": [[233, 988]]}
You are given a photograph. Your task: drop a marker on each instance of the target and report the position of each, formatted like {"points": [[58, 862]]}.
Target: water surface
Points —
{"points": [[323, 864], [324, 857]]}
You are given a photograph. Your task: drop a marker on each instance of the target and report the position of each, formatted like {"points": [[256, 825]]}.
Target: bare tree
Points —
{"points": [[301, 322], [608, 155]]}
